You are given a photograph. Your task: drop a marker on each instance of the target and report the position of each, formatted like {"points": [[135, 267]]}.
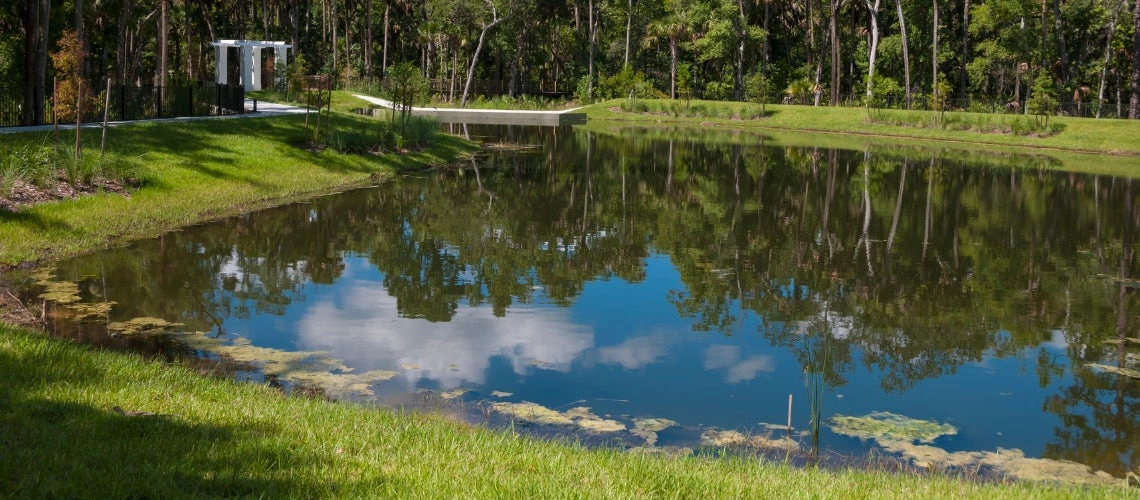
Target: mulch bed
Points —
{"points": [[23, 194]]}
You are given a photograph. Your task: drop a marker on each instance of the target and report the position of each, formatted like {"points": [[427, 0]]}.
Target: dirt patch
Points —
{"points": [[24, 194]]}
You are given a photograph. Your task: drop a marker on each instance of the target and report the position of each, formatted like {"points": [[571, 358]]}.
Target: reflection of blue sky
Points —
{"points": [[621, 341]]}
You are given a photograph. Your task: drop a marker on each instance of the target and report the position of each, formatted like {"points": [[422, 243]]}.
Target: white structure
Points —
{"points": [[250, 55]]}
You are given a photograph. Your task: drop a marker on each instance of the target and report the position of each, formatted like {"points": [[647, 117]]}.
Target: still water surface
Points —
{"points": [[696, 279]]}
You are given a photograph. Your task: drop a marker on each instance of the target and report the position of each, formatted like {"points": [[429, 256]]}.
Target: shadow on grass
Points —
{"points": [[32, 219], [55, 444]]}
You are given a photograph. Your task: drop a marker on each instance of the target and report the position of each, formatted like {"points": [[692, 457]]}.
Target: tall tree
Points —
{"points": [[484, 27], [873, 7], [163, 42], [905, 52], [1134, 102], [36, 19]]}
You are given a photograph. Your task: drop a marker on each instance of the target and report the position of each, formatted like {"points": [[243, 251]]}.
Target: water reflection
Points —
{"points": [[700, 279]]}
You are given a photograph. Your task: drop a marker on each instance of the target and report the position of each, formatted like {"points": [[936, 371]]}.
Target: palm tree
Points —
{"points": [[674, 27]]}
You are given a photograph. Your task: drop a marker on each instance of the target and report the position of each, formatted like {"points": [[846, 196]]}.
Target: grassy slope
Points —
{"points": [[195, 171], [1080, 134], [62, 438]]}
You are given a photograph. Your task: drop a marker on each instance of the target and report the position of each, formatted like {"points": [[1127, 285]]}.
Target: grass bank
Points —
{"points": [[1085, 135], [195, 171], [78, 422]]}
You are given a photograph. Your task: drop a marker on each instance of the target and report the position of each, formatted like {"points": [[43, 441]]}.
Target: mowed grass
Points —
{"points": [[342, 101], [196, 171], [1121, 137], [62, 436]]}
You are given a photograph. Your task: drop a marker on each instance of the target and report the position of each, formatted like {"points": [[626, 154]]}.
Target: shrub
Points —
{"points": [[1043, 102], [627, 83]]}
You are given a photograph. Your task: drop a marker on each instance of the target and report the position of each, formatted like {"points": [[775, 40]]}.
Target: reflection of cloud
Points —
{"points": [[728, 356], [721, 356], [636, 352], [363, 327], [748, 369]]}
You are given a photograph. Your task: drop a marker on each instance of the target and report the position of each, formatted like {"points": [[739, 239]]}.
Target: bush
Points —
{"points": [[627, 83], [1043, 102], [420, 131]]}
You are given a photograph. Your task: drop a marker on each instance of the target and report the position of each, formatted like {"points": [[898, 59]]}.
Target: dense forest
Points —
{"points": [[807, 51]]}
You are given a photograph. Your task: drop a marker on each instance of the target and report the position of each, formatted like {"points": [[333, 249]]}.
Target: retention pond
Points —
{"points": [[674, 292]]}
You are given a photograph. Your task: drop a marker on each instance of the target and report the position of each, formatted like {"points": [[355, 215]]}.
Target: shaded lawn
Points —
{"points": [[194, 171]]}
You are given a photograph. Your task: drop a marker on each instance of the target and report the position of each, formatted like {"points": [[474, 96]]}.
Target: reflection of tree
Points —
{"points": [[1100, 408]]}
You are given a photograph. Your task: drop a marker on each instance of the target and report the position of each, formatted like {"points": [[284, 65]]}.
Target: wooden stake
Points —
{"points": [[789, 416], [78, 119], [54, 102], [106, 107]]}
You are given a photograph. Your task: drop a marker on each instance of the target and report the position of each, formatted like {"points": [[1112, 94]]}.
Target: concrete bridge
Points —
{"points": [[490, 116]]}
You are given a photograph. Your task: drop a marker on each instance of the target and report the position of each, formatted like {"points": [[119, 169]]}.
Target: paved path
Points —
{"points": [[264, 109], [490, 116]]}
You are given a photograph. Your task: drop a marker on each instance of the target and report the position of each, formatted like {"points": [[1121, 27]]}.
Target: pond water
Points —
{"points": [[944, 307]]}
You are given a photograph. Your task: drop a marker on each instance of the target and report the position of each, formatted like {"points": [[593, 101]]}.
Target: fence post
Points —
{"points": [[190, 98], [122, 102], [158, 102]]}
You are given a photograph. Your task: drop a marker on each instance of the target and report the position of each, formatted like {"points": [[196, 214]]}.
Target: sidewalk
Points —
{"points": [[264, 109], [490, 116]]}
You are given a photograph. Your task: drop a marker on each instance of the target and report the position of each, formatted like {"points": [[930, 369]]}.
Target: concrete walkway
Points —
{"points": [[490, 116], [264, 109]]}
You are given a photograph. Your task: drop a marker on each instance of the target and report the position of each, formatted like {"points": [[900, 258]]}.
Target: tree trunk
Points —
{"points": [[121, 58], [592, 28], [628, 29], [35, 20], [81, 33], [475, 57], [1059, 28], [742, 34], [163, 42], [1107, 56], [384, 59], [834, 52], [934, 59], [368, 38], [1134, 102], [672, 67], [963, 75], [874, 8], [906, 53]]}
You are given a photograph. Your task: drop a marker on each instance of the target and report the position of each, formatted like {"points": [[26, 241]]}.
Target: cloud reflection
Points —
{"points": [[736, 370], [362, 327]]}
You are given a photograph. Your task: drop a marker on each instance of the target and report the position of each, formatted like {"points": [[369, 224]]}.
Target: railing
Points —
{"points": [[137, 103]]}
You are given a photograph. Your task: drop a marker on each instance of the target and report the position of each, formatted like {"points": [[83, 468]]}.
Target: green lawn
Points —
{"points": [[196, 171], [62, 437], [1118, 137], [342, 101]]}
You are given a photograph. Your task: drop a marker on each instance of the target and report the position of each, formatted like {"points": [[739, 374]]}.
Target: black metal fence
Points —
{"points": [[922, 102], [137, 103]]}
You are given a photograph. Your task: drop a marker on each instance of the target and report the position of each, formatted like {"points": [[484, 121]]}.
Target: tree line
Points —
{"points": [[811, 51]]}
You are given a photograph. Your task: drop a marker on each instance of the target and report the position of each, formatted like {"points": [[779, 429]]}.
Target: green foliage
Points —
{"points": [[406, 87], [627, 84], [582, 90], [295, 77], [800, 91], [43, 165], [1043, 102], [759, 88], [940, 98]]}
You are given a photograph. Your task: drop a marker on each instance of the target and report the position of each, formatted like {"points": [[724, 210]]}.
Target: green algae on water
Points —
{"points": [[886, 425]]}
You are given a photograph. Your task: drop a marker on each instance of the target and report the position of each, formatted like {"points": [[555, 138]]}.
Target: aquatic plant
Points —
{"points": [[882, 425]]}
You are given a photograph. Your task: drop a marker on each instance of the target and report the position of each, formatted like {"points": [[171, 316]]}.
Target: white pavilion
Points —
{"points": [[250, 56]]}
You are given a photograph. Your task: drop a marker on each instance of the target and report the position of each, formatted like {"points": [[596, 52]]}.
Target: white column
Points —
{"points": [[221, 74], [279, 66], [245, 70], [256, 61]]}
